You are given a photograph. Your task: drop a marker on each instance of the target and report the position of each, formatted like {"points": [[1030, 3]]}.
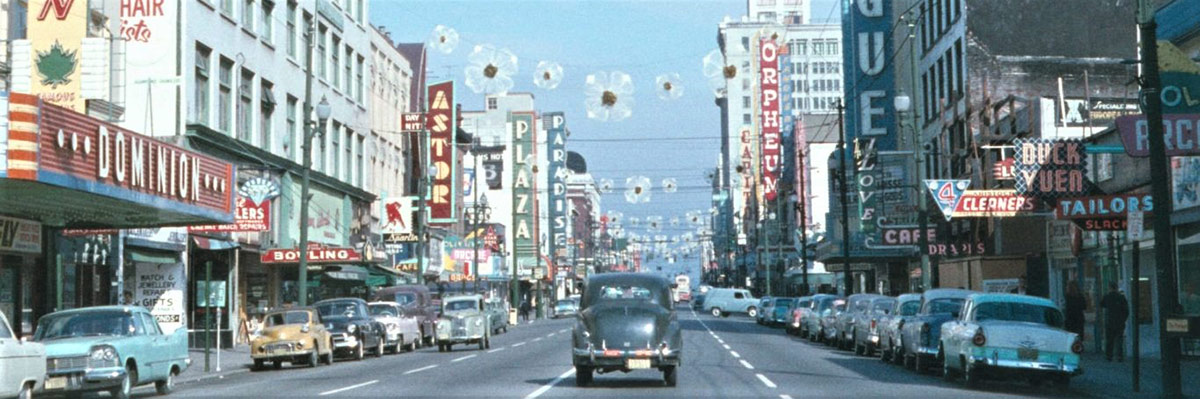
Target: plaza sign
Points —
{"points": [[525, 248]]}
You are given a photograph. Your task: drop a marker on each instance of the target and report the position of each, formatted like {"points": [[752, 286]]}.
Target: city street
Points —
{"points": [[728, 357]]}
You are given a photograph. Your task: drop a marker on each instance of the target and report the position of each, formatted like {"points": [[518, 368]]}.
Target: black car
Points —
{"points": [[352, 327], [627, 322]]}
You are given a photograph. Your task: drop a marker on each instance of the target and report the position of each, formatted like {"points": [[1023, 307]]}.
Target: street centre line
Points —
{"points": [[537, 339], [348, 388], [765, 381], [518, 344], [551, 334], [735, 354], [495, 350], [785, 396], [726, 346], [547, 387], [420, 369], [747, 364], [463, 358]]}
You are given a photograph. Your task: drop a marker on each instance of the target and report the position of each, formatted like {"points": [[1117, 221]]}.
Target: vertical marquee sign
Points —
{"points": [[557, 143], [524, 246], [869, 77], [56, 29], [441, 121], [768, 62]]}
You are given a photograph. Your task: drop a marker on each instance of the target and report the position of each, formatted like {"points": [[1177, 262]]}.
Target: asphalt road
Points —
{"points": [[723, 358]]}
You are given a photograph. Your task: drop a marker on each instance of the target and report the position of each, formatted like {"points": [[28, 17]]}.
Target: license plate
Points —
{"points": [[56, 382], [1027, 354], [634, 364]]}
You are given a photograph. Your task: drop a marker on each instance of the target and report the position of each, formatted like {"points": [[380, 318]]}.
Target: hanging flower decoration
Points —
{"points": [[718, 72], [674, 221], [491, 69], [443, 39], [606, 186], [667, 86], [637, 189], [654, 223], [633, 221], [695, 218], [615, 217], [669, 185], [608, 96], [618, 233], [547, 75]]}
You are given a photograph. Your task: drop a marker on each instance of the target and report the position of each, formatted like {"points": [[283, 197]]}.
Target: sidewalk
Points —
{"points": [[234, 360], [1105, 379]]}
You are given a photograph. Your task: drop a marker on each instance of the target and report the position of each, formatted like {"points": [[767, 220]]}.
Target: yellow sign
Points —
{"points": [[56, 29]]}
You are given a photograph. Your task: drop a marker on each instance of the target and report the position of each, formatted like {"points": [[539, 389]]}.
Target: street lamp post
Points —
{"points": [[903, 104], [479, 213], [849, 280], [802, 206]]}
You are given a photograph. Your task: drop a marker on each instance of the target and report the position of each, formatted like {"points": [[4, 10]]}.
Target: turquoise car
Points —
{"points": [[109, 349]]}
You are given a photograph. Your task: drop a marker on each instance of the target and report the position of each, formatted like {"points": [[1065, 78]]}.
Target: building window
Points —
{"points": [[291, 29], [745, 101], [347, 166], [358, 161], [266, 114], [347, 78], [491, 103], [225, 96], [746, 119], [358, 11], [292, 116], [266, 25], [335, 147], [958, 66], [245, 107], [320, 56], [248, 15], [203, 55], [335, 50], [227, 7], [359, 83]]}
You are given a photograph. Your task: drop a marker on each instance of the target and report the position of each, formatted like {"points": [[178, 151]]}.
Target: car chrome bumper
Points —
{"points": [[87, 380], [992, 364], [617, 358], [345, 342], [284, 356]]}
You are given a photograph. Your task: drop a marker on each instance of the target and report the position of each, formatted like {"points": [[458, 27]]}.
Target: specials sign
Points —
{"points": [[442, 154], [768, 62]]}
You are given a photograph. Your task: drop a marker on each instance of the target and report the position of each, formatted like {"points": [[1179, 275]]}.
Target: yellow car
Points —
{"points": [[292, 335]]}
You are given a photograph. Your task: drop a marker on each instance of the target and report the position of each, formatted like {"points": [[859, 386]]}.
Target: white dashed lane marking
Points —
{"points": [[735, 354], [747, 364], [495, 350], [463, 358], [348, 388], [765, 381], [785, 396], [726, 346], [420, 369], [518, 344], [547, 387]]}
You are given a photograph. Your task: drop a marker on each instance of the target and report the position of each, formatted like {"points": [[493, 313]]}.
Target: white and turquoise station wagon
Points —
{"points": [[1009, 335]]}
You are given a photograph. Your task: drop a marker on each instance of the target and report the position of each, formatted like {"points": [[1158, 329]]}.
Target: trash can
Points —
{"points": [[512, 317]]}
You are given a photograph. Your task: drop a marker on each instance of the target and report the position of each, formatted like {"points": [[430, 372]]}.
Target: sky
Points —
{"points": [[662, 139]]}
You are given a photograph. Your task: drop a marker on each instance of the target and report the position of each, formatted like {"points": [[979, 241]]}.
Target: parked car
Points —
{"points": [[109, 348], [417, 302], [1009, 335], [463, 321], [765, 306], [24, 364], [781, 312], [810, 322], [907, 306], [803, 305], [720, 302], [349, 322], [295, 336], [401, 330], [857, 306], [627, 323], [866, 326], [565, 308], [828, 331], [920, 336], [497, 312]]}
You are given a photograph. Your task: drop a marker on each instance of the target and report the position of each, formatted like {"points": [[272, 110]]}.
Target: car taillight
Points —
{"points": [[872, 324], [979, 339], [1077, 347]]}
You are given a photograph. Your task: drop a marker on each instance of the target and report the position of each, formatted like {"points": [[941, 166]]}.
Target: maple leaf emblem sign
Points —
{"points": [[55, 66]]}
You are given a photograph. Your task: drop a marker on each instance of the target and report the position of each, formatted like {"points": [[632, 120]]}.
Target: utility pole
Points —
{"points": [[306, 165], [1164, 248], [919, 154], [849, 279]]}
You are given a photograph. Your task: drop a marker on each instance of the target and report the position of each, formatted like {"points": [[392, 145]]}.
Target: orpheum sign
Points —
{"points": [[769, 73]]}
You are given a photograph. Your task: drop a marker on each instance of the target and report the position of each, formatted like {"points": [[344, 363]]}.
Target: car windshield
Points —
{"points": [[383, 310], [805, 304], [405, 298], [624, 292], [783, 302], [455, 306], [909, 308], [565, 304], [882, 307], [944, 305], [85, 324], [279, 319], [346, 309], [1016, 311]]}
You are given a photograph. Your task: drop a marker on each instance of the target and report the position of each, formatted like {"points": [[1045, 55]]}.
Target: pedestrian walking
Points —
{"points": [[1116, 310], [1076, 305], [1020, 289], [525, 310]]}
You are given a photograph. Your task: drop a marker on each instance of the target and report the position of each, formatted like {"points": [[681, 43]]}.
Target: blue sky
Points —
{"points": [[642, 38]]}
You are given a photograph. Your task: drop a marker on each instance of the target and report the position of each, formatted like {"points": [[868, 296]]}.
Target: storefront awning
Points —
{"points": [[345, 272], [213, 244], [138, 255]]}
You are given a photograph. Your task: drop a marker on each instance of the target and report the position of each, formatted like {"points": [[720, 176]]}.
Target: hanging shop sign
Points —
{"points": [[397, 216], [1099, 112], [525, 247], [1181, 134], [316, 254], [1180, 80], [249, 217], [947, 194], [1004, 170], [493, 166], [868, 42], [768, 63], [1103, 207], [443, 193], [957, 249], [993, 203], [412, 122], [1050, 168], [866, 168], [905, 235], [56, 29], [20, 235]]}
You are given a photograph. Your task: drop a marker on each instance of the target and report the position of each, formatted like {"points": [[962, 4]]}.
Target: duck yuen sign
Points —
{"points": [[1049, 169]]}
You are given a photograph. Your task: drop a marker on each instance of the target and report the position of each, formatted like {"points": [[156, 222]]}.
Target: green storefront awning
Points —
{"points": [[149, 256]]}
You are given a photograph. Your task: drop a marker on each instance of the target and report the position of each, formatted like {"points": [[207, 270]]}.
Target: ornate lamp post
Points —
{"points": [[311, 129], [480, 211]]}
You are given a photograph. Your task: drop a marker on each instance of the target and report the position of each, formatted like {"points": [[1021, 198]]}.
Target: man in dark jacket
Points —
{"points": [[1116, 310]]}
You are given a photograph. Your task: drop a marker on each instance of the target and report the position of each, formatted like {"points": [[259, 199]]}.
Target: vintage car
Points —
{"points": [[723, 301], [463, 321], [109, 348], [497, 312], [1010, 335], [698, 301], [781, 312], [402, 331], [627, 323], [417, 302], [803, 305], [828, 330], [565, 308], [906, 308], [23, 364], [293, 335], [765, 306], [810, 322], [349, 322], [866, 326], [857, 307], [919, 337]]}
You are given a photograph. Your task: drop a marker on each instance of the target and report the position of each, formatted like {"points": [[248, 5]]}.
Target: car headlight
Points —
{"points": [[103, 356], [478, 322], [351, 329], [392, 327]]}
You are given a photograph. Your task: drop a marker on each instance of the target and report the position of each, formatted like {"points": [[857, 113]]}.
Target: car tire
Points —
{"points": [[970, 376], [919, 365], [583, 376], [122, 391], [313, 359], [670, 375], [399, 345], [328, 358], [948, 374], [483, 342], [278, 364], [379, 348], [716, 312], [752, 312], [441, 347], [166, 386], [258, 365], [360, 352], [26, 391]]}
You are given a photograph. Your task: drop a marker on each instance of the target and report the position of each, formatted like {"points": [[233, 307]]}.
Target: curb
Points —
{"points": [[212, 375]]}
